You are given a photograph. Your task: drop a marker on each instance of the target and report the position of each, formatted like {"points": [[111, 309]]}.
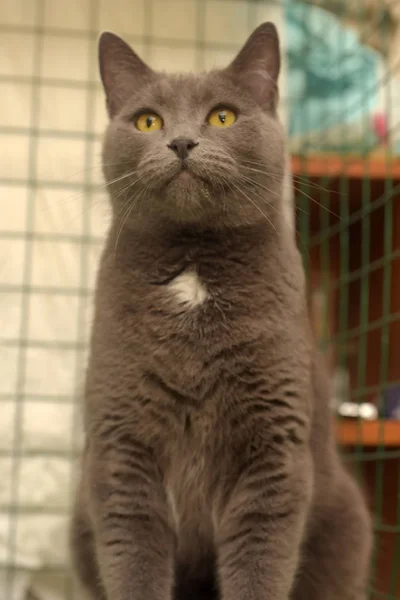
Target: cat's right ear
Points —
{"points": [[121, 71], [257, 65]]}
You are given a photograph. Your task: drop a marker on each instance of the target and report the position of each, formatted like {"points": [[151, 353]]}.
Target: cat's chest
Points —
{"points": [[188, 290], [196, 284], [186, 327], [196, 291]]}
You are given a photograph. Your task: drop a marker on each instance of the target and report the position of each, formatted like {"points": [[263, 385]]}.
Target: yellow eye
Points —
{"points": [[148, 122], [221, 117]]}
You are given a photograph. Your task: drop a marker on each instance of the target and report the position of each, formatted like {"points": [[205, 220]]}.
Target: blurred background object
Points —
{"points": [[340, 94]]}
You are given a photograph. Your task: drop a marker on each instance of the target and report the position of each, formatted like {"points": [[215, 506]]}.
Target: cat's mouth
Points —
{"points": [[185, 175], [185, 170]]}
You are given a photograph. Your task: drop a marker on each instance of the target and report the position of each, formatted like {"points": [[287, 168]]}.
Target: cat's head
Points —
{"points": [[200, 149]]}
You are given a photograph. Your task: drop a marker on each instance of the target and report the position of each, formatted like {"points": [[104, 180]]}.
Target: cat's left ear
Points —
{"points": [[257, 65], [121, 70]]}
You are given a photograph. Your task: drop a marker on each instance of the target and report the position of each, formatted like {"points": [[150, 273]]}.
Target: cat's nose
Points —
{"points": [[182, 146]]}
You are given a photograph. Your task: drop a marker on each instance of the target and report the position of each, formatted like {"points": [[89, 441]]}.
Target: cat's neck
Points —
{"points": [[191, 240], [162, 253]]}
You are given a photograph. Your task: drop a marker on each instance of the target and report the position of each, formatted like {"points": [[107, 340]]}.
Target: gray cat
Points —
{"points": [[210, 467]]}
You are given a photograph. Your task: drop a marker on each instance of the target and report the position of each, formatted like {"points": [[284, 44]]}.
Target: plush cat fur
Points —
{"points": [[210, 467]]}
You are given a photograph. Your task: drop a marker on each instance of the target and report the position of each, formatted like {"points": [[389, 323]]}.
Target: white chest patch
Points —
{"points": [[188, 289]]}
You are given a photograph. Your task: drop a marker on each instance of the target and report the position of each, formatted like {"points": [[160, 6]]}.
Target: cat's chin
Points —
{"points": [[187, 194]]}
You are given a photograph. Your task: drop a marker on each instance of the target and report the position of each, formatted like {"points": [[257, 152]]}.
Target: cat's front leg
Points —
{"points": [[261, 528], [134, 542]]}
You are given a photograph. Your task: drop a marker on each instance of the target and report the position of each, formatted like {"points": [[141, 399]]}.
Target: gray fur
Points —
{"points": [[210, 465]]}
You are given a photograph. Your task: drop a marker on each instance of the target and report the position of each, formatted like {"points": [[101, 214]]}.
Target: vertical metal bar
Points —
{"points": [[27, 275], [385, 332], [70, 591]]}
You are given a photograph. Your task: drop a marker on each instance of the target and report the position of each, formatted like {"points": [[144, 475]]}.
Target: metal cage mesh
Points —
{"points": [[51, 119]]}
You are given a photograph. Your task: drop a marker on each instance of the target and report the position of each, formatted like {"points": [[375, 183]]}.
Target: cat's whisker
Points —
{"points": [[130, 202], [121, 177], [273, 176], [238, 198], [255, 205], [258, 184], [97, 165], [301, 180], [125, 204], [263, 171], [315, 202], [127, 208], [306, 182], [126, 216], [263, 199], [124, 190], [94, 188], [224, 185], [81, 213], [300, 191], [144, 192], [131, 184]]}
